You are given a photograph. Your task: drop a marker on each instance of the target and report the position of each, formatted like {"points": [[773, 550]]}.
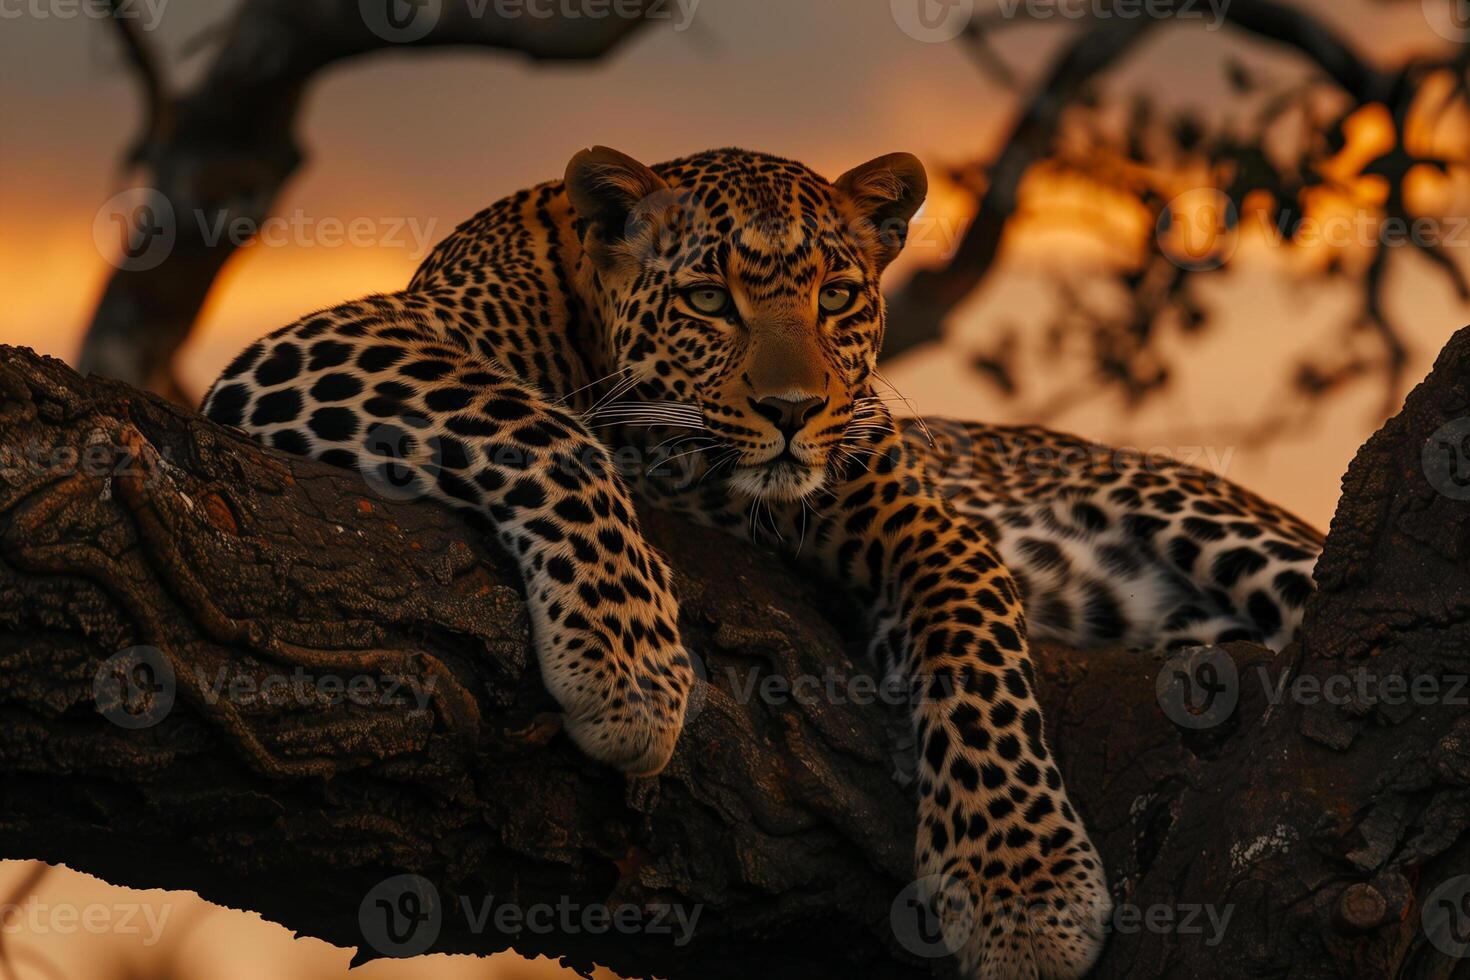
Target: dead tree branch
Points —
{"points": [[225, 148], [917, 309]]}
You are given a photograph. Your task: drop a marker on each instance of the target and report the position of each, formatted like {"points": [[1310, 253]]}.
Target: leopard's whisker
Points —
{"points": [[647, 424], [655, 403], [652, 417], [691, 452], [908, 403], [771, 519], [592, 384], [679, 440], [652, 412], [618, 390], [729, 456], [636, 418]]}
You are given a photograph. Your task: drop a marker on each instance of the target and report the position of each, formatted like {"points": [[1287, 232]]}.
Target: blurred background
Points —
{"points": [[1233, 231]]}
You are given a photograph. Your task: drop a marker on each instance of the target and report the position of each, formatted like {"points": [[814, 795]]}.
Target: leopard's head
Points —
{"points": [[746, 287]]}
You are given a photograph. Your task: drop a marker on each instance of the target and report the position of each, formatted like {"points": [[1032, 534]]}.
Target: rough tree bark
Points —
{"points": [[1319, 829]]}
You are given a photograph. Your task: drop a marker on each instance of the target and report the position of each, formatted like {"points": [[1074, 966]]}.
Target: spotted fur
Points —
{"points": [[716, 320]]}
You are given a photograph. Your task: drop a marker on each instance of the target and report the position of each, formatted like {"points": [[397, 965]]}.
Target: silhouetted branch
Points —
{"points": [[225, 148], [919, 307], [144, 63], [916, 311], [1154, 161]]}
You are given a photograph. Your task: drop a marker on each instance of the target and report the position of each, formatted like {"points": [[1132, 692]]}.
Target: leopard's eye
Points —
{"points": [[837, 297], [709, 300]]}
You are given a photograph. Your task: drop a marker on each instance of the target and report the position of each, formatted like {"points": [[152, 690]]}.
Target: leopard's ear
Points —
{"points": [[605, 187], [886, 192]]}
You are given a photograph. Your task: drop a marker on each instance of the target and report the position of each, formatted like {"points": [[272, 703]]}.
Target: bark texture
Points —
{"points": [[1321, 829]]}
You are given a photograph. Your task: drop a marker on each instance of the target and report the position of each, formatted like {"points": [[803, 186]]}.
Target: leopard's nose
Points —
{"points": [[788, 413]]}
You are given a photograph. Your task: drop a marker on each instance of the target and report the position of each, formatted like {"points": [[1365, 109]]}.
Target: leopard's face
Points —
{"points": [[747, 287]]}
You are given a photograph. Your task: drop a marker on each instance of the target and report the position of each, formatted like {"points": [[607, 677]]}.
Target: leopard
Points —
{"points": [[718, 320]]}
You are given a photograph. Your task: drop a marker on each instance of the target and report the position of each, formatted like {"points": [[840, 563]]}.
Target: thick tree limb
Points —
{"points": [[1318, 830], [223, 150]]}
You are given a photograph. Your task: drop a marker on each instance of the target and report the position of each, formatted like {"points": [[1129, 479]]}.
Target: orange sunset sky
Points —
{"points": [[419, 141]]}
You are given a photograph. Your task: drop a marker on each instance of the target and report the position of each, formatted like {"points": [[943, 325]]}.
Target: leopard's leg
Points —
{"points": [[375, 386], [1117, 547], [999, 842], [1111, 565], [1000, 845], [995, 821], [1096, 583]]}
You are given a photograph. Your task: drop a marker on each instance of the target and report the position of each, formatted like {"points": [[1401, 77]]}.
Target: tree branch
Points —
{"points": [[266, 586], [917, 310], [225, 148], [151, 80]]}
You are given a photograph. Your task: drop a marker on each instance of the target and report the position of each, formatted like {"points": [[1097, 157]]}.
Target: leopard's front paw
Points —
{"points": [[607, 638], [1038, 910], [632, 722], [624, 692]]}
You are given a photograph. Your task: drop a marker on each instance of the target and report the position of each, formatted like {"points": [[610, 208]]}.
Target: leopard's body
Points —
{"points": [[719, 317]]}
